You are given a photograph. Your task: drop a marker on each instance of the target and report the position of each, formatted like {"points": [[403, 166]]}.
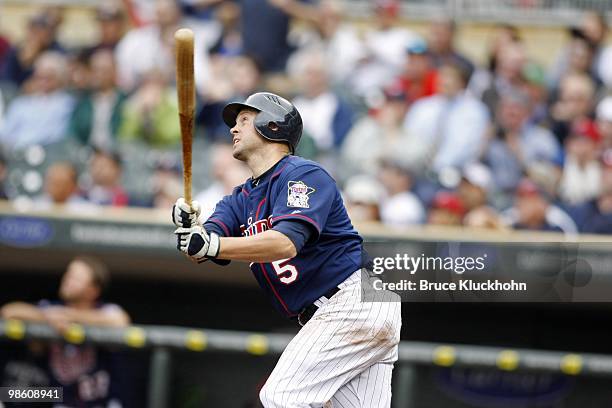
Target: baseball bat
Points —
{"points": [[185, 88]]}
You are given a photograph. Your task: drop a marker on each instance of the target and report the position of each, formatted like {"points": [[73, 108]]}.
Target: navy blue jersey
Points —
{"points": [[297, 190]]}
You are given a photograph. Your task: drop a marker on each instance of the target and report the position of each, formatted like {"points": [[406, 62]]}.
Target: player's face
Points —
{"points": [[244, 136], [77, 283]]}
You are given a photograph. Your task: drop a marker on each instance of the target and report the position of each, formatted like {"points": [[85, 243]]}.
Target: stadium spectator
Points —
{"points": [[226, 173], [534, 211], [535, 87], [40, 38], [166, 189], [579, 57], [576, 101], [362, 195], [517, 144], [604, 121], [508, 74], [451, 124], [61, 189], [581, 178], [230, 40], [97, 114], [475, 186], [483, 77], [595, 216], [84, 372], [151, 47], [385, 49], [441, 46], [419, 79], [150, 114], [111, 22], [79, 75], [484, 217], [446, 209], [104, 186], [265, 29], [341, 42], [399, 206], [236, 78], [41, 116], [381, 134], [327, 118]]}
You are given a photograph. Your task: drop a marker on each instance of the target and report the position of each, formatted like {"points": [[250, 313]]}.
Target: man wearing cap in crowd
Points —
{"points": [[446, 209], [400, 206], [362, 194], [419, 78], [533, 210], [111, 25], [475, 186]]}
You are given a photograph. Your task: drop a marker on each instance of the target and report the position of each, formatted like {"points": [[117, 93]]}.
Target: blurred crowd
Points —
{"points": [[413, 130]]}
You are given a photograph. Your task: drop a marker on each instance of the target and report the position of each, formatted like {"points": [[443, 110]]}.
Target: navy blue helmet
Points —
{"points": [[277, 119]]}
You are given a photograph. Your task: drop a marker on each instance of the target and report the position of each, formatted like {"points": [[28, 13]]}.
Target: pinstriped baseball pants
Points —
{"points": [[343, 357]]}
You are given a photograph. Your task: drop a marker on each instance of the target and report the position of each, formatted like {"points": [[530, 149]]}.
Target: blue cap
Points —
{"points": [[417, 47]]}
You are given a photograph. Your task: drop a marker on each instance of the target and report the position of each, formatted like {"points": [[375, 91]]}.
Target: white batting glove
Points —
{"points": [[184, 216], [198, 244]]}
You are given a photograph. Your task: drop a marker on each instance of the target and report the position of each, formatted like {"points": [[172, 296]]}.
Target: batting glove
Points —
{"points": [[198, 244], [185, 216]]}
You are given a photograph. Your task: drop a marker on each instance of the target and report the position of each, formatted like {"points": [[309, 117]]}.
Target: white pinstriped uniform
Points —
{"points": [[343, 357]]}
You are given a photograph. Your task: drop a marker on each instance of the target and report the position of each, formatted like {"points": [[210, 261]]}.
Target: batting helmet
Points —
{"points": [[277, 119]]}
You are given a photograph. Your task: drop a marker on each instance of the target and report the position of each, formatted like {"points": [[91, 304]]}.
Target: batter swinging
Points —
{"points": [[289, 222]]}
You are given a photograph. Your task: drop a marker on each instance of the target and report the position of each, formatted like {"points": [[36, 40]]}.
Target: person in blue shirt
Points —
{"points": [[289, 222]]}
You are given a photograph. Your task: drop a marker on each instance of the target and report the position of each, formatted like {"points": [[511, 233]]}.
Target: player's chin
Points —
{"points": [[237, 152]]}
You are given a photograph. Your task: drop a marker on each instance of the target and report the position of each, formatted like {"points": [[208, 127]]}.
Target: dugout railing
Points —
{"points": [[163, 341]]}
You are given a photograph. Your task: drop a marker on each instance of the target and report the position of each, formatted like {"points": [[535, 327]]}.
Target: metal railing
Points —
{"points": [[163, 339]]}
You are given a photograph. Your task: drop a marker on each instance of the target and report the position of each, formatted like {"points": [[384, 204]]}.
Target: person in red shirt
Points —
{"points": [[419, 78], [106, 171]]}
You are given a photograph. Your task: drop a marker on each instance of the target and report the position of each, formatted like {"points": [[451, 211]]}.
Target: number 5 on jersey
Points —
{"points": [[286, 272]]}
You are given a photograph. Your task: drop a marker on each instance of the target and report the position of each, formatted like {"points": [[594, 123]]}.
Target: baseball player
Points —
{"points": [[288, 220]]}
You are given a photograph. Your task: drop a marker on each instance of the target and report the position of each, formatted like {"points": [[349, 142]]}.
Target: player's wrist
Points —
{"points": [[214, 246]]}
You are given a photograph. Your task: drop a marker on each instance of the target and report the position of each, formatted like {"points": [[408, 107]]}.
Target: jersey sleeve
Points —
{"points": [[305, 195], [224, 219]]}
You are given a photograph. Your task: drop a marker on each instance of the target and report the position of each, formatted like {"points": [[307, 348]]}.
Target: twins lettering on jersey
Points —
{"points": [[256, 227]]}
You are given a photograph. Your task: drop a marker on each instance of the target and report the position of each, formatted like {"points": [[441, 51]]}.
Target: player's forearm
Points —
{"points": [[22, 311], [268, 246], [98, 317]]}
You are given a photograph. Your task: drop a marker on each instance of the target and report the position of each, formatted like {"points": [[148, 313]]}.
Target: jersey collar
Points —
{"points": [[254, 182]]}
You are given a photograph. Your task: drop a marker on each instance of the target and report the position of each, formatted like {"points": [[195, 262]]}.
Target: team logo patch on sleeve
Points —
{"points": [[298, 194]]}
